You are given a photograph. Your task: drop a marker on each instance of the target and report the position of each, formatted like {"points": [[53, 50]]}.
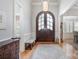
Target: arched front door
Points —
{"points": [[45, 26]]}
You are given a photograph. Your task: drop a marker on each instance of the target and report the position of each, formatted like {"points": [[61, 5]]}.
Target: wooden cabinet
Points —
{"points": [[10, 50], [7, 52], [1, 52]]}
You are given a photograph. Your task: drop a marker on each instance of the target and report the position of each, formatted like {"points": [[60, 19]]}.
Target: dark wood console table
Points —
{"points": [[9, 49]]}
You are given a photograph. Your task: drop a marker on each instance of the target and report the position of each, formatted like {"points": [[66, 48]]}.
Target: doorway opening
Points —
{"points": [[45, 26]]}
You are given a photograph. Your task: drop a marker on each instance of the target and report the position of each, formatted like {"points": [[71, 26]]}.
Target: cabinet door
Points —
{"points": [[13, 54], [17, 49], [1, 52], [7, 52]]}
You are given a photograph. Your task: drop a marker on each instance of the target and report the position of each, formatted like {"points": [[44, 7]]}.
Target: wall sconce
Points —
{"points": [[45, 5]]}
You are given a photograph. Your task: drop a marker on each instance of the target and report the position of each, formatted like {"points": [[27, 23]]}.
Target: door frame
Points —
{"points": [[37, 18]]}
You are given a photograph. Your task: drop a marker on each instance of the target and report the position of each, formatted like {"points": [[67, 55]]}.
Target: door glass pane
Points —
{"points": [[42, 27], [49, 22], [39, 28], [41, 22], [48, 15], [48, 27], [42, 19]]}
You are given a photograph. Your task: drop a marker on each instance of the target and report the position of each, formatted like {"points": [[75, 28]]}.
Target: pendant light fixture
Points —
{"points": [[45, 5]]}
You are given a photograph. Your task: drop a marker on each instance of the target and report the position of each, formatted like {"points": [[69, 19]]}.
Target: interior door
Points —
{"points": [[45, 27]]}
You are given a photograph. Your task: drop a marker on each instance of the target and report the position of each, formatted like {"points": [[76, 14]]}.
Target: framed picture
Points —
{"points": [[2, 20]]}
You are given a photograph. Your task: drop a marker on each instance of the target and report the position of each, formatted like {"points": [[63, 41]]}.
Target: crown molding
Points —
{"points": [[39, 3]]}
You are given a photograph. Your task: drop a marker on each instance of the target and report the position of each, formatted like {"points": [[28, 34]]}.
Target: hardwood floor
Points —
{"points": [[27, 53], [66, 47]]}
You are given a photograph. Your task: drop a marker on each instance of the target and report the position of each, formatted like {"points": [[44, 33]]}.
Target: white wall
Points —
{"points": [[36, 8], [6, 6], [73, 20], [66, 9], [25, 22]]}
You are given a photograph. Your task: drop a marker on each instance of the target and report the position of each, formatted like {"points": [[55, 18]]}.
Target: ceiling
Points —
{"points": [[38, 1], [75, 5], [73, 11]]}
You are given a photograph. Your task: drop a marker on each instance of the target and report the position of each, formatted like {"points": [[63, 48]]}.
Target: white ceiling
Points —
{"points": [[73, 11], [53, 1], [75, 5]]}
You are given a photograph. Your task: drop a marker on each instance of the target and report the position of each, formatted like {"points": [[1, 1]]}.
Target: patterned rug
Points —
{"points": [[49, 51]]}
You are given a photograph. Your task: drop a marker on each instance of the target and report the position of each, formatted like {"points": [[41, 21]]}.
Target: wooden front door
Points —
{"points": [[45, 26]]}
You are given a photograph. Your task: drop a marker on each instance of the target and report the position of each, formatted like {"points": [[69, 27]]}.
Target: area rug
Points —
{"points": [[49, 51]]}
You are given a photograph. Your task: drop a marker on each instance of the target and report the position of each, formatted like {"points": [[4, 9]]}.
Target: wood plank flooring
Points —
{"points": [[27, 53]]}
